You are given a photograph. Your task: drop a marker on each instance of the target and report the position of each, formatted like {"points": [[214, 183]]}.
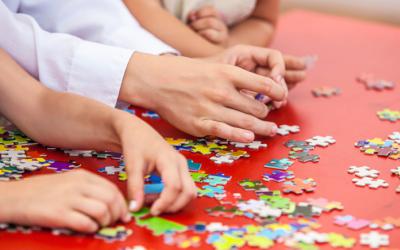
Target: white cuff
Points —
{"points": [[97, 71]]}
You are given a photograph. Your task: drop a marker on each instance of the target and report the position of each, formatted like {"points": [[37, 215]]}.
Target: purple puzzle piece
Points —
{"points": [[60, 166], [278, 176]]}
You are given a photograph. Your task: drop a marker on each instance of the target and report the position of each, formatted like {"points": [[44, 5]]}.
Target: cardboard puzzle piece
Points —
{"points": [[193, 166], [287, 129], [252, 185], [278, 176], [374, 239], [281, 164], [252, 145], [79, 153], [351, 222], [338, 240], [218, 179], [322, 141], [211, 191], [60, 166], [111, 234], [304, 156], [371, 183], [276, 200], [222, 159], [157, 225], [395, 136], [325, 91], [325, 205], [363, 171], [389, 115], [112, 170], [372, 83], [151, 115], [396, 171], [299, 186]]}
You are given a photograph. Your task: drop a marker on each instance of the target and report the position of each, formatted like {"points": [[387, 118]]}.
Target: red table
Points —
{"points": [[346, 48]]}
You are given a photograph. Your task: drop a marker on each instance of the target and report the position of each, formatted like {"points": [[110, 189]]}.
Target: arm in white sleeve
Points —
{"points": [[64, 62], [103, 21]]}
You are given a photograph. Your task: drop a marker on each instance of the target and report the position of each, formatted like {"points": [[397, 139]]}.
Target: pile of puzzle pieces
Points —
{"points": [[219, 151], [389, 148]]}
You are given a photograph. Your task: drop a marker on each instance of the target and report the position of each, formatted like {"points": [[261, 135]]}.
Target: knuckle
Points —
{"points": [[176, 187]]}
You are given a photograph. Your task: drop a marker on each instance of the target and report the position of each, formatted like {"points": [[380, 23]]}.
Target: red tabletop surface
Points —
{"points": [[346, 48]]}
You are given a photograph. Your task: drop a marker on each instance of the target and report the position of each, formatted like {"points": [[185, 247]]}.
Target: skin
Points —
{"points": [[210, 103], [206, 34], [87, 201]]}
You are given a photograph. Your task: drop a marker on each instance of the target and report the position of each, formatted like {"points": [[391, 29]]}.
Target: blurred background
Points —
{"points": [[387, 11]]}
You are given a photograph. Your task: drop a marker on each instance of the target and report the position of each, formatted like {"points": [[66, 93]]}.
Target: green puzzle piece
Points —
{"points": [[277, 201], [198, 177], [157, 224]]}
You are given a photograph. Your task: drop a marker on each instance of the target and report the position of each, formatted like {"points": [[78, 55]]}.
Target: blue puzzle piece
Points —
{"points": [[281, 164], [193, 166], [211, 191]]}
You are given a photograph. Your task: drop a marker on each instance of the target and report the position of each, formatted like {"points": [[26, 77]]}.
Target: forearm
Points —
{"points": [[53, 118], [253, 31], [171, 30]]}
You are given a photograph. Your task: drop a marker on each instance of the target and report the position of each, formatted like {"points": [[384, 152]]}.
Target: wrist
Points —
{"points": [[139, 71]]}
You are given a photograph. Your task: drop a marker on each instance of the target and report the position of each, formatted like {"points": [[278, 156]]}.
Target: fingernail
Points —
{"points": [[155, 212], [127, 218], [274, 130], [278, 104], [278, 79], [248, 136], [133, 205]]}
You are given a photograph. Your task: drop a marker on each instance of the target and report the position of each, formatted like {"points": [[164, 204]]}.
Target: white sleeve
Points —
{"points": [[104, 21], [64, 62]]}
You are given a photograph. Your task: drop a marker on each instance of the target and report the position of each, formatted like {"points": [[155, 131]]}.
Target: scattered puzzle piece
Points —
{"points": [[363, 171], [286, 129], [281, 164], [325, 91], [321, 141], [299, 186], [372, 183], [374, 239]]}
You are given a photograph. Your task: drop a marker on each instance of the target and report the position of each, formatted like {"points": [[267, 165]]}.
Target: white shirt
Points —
{"points": [[79, 46]]}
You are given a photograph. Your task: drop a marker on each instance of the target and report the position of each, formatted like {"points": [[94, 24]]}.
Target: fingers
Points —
{"points": [[95, 209], [240, 120], [295, 63], [293, 77], [170, 174], [257, 83], [189, 189], [243, 102], [207, 11], [208, 23], [212, 35], [79, 222], [225, 131], [135, 166], [112, 199]]}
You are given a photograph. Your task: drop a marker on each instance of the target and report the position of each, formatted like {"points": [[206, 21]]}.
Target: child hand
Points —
{"points": [[208, 23], [78, 200], [145, 151]]}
